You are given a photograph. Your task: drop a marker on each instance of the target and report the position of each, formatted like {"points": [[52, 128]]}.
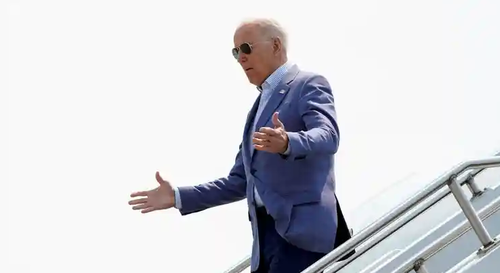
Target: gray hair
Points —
{"points": [[271, 29]]}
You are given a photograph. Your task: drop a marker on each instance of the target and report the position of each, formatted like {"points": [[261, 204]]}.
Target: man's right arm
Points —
{"points": [[222, 191]]}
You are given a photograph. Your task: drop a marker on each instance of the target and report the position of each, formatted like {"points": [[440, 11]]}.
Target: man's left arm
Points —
{"points": [[317, 109]]}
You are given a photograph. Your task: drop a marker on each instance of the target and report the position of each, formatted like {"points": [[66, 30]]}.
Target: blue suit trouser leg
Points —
{"points": [[276, 254]]}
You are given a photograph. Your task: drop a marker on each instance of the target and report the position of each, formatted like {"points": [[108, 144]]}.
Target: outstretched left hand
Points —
{"points": [[273, 140]]}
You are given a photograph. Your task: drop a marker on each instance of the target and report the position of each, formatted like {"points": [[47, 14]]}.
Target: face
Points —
{"points": [[256, 54]]}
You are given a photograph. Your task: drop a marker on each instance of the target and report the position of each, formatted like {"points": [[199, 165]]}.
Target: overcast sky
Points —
{"points": [[101, 94]]}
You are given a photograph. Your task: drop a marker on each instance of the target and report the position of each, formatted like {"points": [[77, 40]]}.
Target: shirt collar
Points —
{"points": [[275, 78]]}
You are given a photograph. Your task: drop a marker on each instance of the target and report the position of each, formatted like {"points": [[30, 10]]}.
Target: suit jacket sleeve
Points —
{"points": [[316, 106], [219, 192]]}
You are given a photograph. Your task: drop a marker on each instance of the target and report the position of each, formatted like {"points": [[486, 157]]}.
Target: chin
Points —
{"points": [[253, 81]]}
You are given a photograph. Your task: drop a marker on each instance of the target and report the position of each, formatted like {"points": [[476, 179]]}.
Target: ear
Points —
{"points": [[277, 45]]}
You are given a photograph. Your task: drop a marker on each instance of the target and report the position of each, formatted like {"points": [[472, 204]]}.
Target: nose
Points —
{"points": [[242, 58]]}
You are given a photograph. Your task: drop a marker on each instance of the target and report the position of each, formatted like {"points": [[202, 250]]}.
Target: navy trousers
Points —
{"points": [[277, 255]]}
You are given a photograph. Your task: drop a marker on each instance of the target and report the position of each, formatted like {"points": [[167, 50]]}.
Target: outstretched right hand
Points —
{"points": [[162, 197]]}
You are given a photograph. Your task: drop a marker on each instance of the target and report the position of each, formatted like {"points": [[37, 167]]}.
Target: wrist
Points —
{"points": [[286, 148]]}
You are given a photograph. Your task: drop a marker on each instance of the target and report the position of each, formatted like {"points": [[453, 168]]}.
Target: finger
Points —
{"points": [[138, 201], [159, 179], [259, 147], [266, 137], [261, 135], [141, 206], [139, 193], [276, 121], [269, 131], [150, 209], [259, 141], [263, 148]]}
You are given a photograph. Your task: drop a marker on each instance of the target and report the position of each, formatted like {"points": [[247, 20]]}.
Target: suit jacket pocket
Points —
{"points": [[301, 198], [312, 227]]}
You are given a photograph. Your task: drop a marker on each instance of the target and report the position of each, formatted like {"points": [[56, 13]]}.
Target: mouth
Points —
{"points": [[248, 69]]}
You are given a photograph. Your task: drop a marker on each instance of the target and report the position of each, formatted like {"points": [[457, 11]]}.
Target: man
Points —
{"points": [[285, 163]]}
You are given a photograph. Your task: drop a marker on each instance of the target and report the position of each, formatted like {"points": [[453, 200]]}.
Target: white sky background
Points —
{"points": [[101, 94]]}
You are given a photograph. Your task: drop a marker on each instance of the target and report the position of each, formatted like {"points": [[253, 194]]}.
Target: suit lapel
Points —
{"points": [[279, 93]]}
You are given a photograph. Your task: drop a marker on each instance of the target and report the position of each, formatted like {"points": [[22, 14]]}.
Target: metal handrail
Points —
{"points": [[405, 219], [466, 178], [476, 171], [368, 232], [473, 187], [239, 267], [390, 217], [451, 235]]}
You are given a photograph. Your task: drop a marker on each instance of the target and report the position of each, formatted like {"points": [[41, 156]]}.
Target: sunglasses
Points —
{"points": [[246, 48]]}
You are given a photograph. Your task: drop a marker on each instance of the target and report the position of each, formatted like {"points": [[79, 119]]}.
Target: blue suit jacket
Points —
{"points": [[298, 190]]}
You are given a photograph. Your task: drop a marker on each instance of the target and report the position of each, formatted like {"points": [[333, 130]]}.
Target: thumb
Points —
{"points": [[277, 122], [159, 179]]}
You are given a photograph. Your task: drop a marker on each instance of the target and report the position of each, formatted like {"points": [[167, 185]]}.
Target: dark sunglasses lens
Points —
{"points": [[246, 48], [235, 53]]}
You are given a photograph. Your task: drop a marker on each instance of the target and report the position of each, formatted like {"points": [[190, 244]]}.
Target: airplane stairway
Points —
{"points": [[442, 228]]}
